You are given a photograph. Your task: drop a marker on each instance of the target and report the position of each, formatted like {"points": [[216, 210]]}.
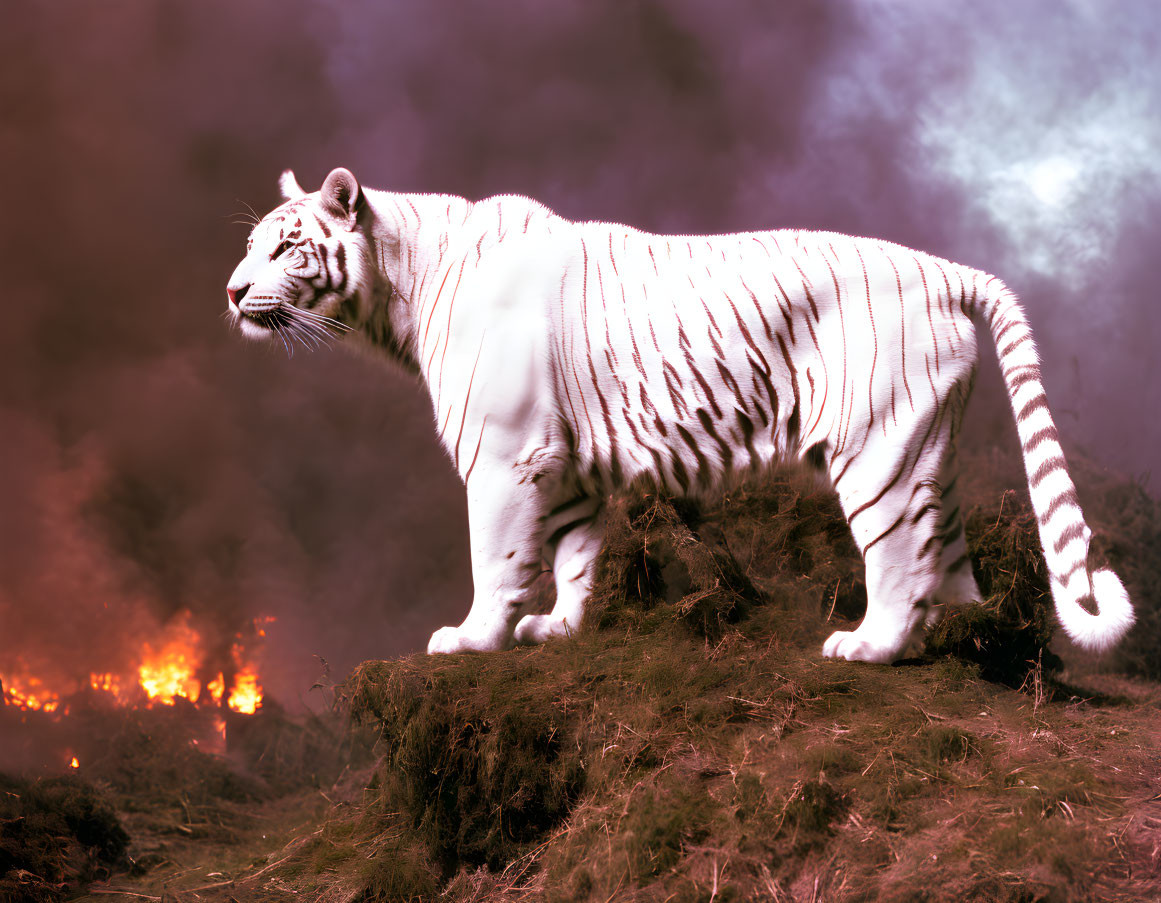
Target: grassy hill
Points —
{"points": [[689, 743]]}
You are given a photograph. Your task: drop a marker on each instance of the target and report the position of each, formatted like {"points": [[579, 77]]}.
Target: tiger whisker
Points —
{"points": [[327, 322], [306, 337], [277, 327], [324, 326], [253, 212], [305, 323], [317, 327]]}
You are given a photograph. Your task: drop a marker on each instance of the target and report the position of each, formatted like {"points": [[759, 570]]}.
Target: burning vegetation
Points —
{"points": [[173, 667]]}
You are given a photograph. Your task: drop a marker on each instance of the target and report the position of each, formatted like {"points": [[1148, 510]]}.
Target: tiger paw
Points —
{"points": [[445, 640], [448, 640], [534, 629], [854, 648]]}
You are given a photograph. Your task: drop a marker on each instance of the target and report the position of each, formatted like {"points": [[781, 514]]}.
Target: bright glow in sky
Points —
{"points": [[1051, 180]]}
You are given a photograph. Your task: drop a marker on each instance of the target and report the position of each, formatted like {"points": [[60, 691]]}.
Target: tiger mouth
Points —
{"points": [[291, 325], [272, 319]]}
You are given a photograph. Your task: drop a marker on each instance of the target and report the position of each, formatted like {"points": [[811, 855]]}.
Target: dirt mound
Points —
{"points": [[56, 835]]}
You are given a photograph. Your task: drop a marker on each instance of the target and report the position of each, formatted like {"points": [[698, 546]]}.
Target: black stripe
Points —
{"points": [[560, 532], [1014, 344], [341, 266], [1040, 402], [1068, 497], [746, 332], [770, 394], [885, 533], [704, 477], [958, 563], [793, 423], [952, 533], [564, 506], [815, 456], [747, 426], [1073, 532], [657, 468], [1028, 373], [999, 335], [1056, 462], [882, 492], [728, 379], [609, 429], [930, 506], [679, 405], [705, 387], [679, 472], [708, 425], [842, 473], [1039, 438]]}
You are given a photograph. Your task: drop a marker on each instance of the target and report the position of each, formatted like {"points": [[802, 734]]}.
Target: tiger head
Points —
{"points": [[306, 276]]}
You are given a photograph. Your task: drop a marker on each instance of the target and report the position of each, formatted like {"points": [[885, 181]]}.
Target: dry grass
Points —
{"points": [[690, 744]]}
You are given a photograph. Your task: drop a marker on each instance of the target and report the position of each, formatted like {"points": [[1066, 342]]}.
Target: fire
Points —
{"points": [[247, 693], [73, 763], [29, 693], [169, 672], [216, 688], [170, 668], [107, 683]]}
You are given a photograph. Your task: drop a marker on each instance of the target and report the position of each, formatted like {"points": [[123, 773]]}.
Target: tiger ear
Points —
{"points": [[289, 185], [341, 198]]}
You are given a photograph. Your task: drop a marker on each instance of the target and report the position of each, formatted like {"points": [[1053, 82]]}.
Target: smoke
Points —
{"points": [[151, 461]]}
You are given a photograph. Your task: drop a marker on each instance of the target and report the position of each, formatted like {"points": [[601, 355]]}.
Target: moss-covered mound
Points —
{"points": [[652, 764], [55, 835], [480, 769], [690, 743]]}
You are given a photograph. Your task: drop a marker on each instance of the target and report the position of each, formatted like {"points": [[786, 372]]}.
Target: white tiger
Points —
{"points": [[565, 359]]}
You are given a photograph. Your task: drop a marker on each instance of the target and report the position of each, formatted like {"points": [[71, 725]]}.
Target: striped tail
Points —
{"points": [[1091, 604]]}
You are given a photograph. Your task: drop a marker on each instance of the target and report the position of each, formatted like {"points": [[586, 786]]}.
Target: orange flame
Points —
{"points": [[166, 672], [247, 693], [73, 763], [216, 688], [108, 683], [169, 672], [29, 693]]}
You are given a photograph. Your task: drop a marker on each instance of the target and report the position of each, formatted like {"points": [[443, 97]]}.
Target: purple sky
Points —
{"points": [[151, 460]]}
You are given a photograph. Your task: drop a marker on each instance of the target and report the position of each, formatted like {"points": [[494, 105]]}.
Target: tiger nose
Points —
{"points": [[237, 294]]}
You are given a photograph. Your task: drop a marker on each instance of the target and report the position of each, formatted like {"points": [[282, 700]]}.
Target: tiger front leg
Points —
{"points": [[505, 518]]}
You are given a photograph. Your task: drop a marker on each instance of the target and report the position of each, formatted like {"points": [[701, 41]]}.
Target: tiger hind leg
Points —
{"points": [[575, 531], [894, 513], [958, 585]]}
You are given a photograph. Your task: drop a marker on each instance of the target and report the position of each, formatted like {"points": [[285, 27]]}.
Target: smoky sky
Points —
{"points": [[151, 460]]}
